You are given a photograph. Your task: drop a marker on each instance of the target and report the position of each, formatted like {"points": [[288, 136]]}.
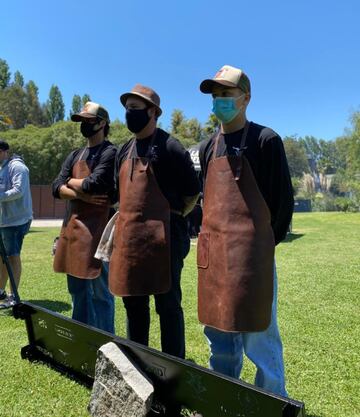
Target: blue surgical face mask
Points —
{"points": [[225, 108]]}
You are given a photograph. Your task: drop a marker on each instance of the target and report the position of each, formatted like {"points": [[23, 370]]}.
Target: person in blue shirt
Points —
{"points": [[15, 215]]}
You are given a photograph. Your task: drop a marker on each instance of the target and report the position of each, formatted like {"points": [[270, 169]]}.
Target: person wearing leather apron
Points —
{"points": [[248, 205], [86, 182], [157, 186]]}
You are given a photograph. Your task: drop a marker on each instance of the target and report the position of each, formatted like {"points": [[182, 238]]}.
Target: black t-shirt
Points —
{"points": [[266, 155], [172, 165], [101, 180]]}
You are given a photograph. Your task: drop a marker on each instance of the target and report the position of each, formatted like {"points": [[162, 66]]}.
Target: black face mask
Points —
{"points": [[88, 129], [136, 119]]}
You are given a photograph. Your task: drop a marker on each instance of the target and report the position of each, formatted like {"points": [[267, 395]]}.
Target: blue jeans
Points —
{"points": [[264, 349], [168, 305], [93, 304], [13, 237]]}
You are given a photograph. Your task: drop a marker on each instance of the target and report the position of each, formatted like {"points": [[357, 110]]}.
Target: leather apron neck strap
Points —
{"points": [[97, 153], [152, 140], [242, 142], [131, 151], [81, 154]]}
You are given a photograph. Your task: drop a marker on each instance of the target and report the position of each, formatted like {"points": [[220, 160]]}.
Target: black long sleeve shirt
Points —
{"points": [[172, 165], [266, 155], [101, 180]]}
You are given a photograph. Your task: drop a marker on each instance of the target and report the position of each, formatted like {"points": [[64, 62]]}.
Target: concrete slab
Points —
{"points": [[46, 223]]}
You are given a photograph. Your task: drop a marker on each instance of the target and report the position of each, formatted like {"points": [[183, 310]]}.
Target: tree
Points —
{"points": [[322, 155], [211, 126], [4, 74], [177, 121], [5, 122], [13, 104], [339, 183], [44, 149], [328, 160], [187, 131], [296, 157], [342, 145], [18, 79], [193, 130], [35, 114], [55, 105], [85, 99], [119, 132], [354, 145], [75, 104], [312, 148], [44, 110]]}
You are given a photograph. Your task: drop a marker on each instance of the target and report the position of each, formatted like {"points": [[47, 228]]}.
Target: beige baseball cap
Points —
{"points": [[146, 93], [228, 76], [91, 111]]}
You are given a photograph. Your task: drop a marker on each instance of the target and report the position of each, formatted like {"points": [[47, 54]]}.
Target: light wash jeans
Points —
{"points": [[264, 349], [92, 301]]}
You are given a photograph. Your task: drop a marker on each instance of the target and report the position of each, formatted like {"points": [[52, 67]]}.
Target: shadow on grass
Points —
{"points": [[53, 305], [36, 231], [6, 312], [289, 238], [312, 415]]}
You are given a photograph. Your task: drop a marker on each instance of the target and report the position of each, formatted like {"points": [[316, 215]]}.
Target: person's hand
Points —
{"points": [[98, 200]]}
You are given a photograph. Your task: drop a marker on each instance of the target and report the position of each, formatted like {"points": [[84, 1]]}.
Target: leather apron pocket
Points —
{"points": [[203, 246]]}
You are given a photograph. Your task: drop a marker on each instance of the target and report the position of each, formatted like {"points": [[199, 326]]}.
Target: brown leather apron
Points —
{"points": [[140, 261], [235, 253], [81, 233]]}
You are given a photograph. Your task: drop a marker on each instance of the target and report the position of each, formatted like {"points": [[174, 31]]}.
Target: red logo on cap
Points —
{"points": [[219, 73]]}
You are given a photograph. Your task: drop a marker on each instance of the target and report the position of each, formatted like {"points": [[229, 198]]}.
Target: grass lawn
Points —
{"points": [[319, 317]]}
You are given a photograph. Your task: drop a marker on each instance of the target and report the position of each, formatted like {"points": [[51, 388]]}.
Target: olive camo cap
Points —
{"points": [[146, 93], [91, 111], [227, 76]]}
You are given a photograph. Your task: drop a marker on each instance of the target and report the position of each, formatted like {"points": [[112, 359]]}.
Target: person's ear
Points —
{"points": [[247, 98], [152, 112]]}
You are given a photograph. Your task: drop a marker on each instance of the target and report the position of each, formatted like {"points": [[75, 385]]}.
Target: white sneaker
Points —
{"points": [[11, 300], [8, 303]]}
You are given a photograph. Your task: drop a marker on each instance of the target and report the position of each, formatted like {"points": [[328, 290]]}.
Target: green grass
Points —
{"points": [[319, 318]]}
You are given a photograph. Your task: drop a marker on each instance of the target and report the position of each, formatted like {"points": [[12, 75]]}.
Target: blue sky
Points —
{"points": [[302, 56]]}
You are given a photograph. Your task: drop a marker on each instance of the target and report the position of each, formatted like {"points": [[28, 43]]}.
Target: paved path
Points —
{"points": [[46, 223], [58, 223]]}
